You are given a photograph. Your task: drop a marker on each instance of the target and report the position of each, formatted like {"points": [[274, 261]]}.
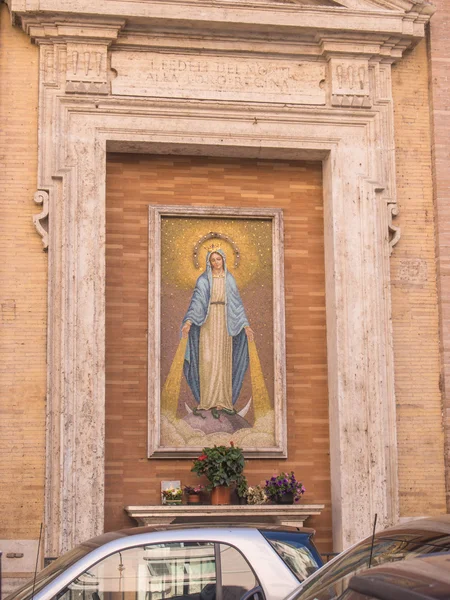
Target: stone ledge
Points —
{"points": [[271, 514]]}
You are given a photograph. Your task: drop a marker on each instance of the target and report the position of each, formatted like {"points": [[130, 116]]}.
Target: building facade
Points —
{"points": [[332, 113]]}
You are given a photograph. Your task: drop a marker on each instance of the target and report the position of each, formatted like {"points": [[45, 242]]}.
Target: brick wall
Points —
{"points": [[133, 182], [23, 304], [414, 297], [439, 76]]}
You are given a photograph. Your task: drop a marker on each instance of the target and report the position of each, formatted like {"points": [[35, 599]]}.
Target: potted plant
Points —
{"points": [[193, 493], [172, 496], [223, 466], [284, 488], [241, 490], [256, 494]]}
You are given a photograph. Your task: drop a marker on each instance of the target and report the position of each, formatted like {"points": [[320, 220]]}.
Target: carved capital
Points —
{"points": [[86, 71], [41, 220], [349, 82]]}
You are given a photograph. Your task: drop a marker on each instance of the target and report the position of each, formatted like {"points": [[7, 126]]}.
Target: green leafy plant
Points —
{"points": [[221, 465]]}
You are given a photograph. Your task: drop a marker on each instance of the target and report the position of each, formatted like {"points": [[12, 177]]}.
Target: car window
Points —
{"points": [[177, 571], [296, 550], [172, 571], [333, 579], [50, 573]]}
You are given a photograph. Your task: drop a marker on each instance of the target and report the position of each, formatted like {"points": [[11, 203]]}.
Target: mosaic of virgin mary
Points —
{"points": [[218, 331], [214, 383]]}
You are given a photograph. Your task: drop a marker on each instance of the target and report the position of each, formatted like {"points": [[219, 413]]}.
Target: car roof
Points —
{"points": [[426, 577], [436, 524], [114, 535]]}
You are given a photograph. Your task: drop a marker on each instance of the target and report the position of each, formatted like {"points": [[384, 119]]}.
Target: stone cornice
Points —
{"points": [[381, 27], [64, 28]]}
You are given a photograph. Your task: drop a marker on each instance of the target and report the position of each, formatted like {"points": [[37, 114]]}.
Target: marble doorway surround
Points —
{"points": [[263, 79]]}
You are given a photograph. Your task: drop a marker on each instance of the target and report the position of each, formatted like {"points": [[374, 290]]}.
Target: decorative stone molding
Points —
{"points": [[86, 109], [394, 230], [350, 83], [41, 220], [278, 514], [87, 69]]}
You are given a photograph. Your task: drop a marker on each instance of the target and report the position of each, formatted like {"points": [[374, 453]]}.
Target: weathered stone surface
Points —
{"points": [[218, 77]]}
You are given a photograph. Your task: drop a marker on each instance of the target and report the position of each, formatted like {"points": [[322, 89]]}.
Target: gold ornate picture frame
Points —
{"points": [[216, 336]]}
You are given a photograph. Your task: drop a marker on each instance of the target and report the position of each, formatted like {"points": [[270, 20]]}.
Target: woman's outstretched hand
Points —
{"points": [[185, 329], [250, 334]]}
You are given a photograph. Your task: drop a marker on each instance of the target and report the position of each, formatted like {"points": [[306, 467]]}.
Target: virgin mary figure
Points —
{"points": [[218, 333]]}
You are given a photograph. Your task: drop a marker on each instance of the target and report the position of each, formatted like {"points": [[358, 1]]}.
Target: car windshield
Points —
{"points": [[54, 569], [296, 550], [333, 579]]}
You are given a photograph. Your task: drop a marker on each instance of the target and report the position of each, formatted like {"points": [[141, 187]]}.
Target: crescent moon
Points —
{"points": [[246, 408], [241, 413]]}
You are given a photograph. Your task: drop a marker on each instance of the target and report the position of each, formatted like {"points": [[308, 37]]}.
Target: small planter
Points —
{"points": [[173, 502], [193, 499], [221, 495], [285, 499]]}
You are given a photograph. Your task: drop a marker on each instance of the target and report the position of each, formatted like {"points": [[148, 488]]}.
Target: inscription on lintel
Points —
{"points": [[217, 77]]}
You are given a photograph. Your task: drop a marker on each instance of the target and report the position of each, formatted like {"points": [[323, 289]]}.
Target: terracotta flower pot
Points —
{"points": [[221, 495], [193, 499]]}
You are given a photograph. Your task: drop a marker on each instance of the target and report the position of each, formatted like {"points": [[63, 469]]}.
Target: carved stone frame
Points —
{"points": [[352, 134], [155, 448], [360, 369]]}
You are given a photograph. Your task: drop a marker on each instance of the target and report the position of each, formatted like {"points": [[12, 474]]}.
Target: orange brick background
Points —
{"points": [[23, 292], [439, 77], [133, 182], [414, 297]]}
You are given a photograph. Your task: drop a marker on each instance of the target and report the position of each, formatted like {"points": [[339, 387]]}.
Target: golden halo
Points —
{"points": [[214, 246], [179, 236]]}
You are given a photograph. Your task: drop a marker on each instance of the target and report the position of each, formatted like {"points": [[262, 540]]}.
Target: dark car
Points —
{"points": [[402, 542], [424, 578]]}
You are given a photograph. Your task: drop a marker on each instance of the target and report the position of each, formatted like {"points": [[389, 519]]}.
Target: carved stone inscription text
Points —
{"points": [[218, 77]]}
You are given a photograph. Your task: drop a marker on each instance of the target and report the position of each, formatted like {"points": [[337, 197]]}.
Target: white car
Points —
{"points": [[196, 563]]}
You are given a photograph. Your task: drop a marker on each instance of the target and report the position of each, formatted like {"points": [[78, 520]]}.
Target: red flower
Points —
{"points": [[232, 444], [202, 457]]}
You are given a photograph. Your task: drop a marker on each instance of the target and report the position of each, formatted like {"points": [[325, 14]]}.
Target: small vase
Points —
{"points": [[220, 495], [285, 499], [193, 499]]}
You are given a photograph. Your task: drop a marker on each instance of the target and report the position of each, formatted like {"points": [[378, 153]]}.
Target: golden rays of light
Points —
{"points": [[172, 385], [260, 395], [180, 234]]}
